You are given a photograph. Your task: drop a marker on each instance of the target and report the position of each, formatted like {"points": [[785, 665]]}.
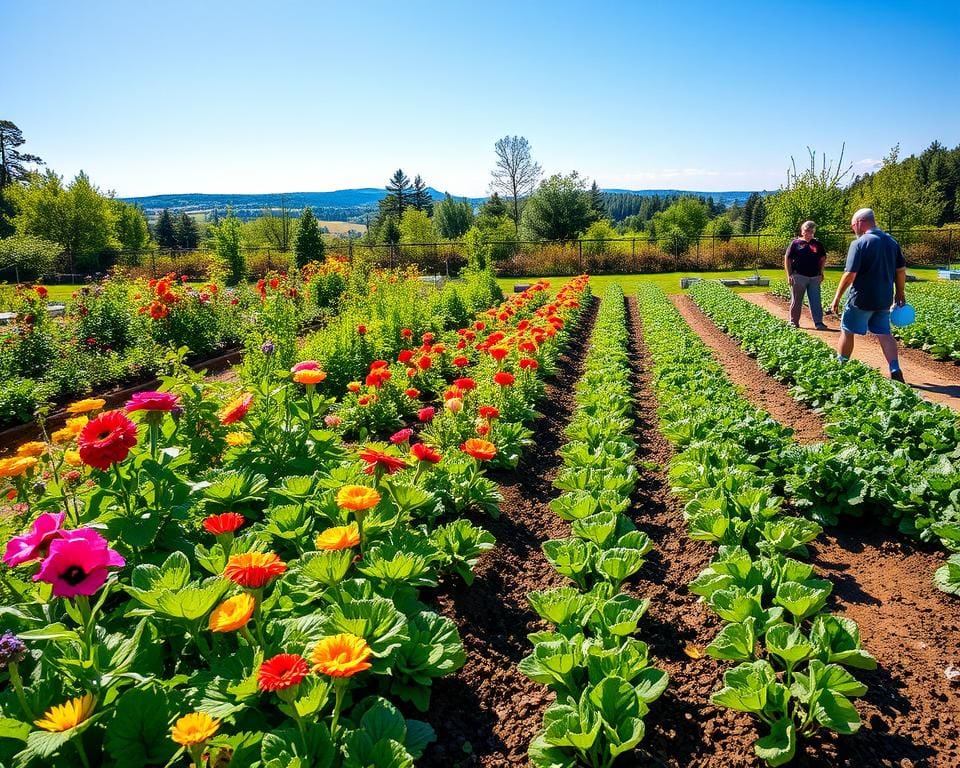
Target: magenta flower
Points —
{"points": [[152, 401], [306, 365], [77, 563], [33, 545], [399, 438]]}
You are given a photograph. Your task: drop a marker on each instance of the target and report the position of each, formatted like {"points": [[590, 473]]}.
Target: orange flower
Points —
{"points": [[309, 377], [32, 449], [254, 569], [342, 655], [16, 466], [481, 450], [72, 458], [339, 537], [194, 729], [233, 613], [86, 406], [236, 410], [357, 498]]}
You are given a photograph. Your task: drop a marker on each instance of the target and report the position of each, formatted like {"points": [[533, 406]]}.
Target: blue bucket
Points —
{"points": [[903, 315]]}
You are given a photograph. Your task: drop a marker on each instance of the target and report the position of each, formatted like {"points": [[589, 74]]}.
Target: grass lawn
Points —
{"points": [[670, 281]]}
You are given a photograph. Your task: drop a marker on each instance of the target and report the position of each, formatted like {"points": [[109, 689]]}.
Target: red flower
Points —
{"points": [[466, 383], [228, 522], [41, 291], [412, 392], [281, 672], [503, 378], [306, 365], [423, 452], [424, 362], [479, 325], [488, 412], [405, 356], [426, 414], [428, 337], [236, 410], [107, 439], [461, 361], [274, 283], [362, 329], [528, 363], [152, 401], [406, 333], [483, 430], [498, 353], [385, 461], [397, 438], [254, 569]]}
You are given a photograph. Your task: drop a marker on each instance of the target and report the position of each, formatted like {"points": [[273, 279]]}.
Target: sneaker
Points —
{"points": [[897, 376], [794, 325], [821, 327]]}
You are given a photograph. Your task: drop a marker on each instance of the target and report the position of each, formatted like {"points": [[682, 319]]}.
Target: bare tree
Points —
{"points": [[515, 174]]}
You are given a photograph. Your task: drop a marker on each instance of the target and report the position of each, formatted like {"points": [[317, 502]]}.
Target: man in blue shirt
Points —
{"points": [[876, 274]]}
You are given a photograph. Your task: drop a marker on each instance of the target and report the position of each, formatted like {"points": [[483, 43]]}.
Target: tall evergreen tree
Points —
{"points": [[166, 231], [398, 195], [421, 196], [453, 217], [131, 226], [746, 218], [12, 170], [187, 232], [309, 241], [597, 203], [494, 207]]}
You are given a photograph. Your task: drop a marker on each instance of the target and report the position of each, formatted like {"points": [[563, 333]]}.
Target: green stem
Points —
{"points": [[78, 743], [339, 688], [122, 491], [18, 689], [196, 754], [154, 429]]}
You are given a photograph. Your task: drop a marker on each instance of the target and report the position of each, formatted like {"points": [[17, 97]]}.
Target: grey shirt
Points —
{"points": [[875, 256]]}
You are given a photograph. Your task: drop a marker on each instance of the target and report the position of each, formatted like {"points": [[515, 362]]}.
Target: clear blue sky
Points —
{"points": [[273, 96]]}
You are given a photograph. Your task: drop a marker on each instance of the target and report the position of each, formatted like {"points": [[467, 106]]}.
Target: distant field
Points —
{"points": [[343, 227]]}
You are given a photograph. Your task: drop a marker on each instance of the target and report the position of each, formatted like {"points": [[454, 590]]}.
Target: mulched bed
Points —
{"points": [[487, 713]]}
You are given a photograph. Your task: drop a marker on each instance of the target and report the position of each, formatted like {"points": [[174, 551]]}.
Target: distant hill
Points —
{"points": [[342, 204]]}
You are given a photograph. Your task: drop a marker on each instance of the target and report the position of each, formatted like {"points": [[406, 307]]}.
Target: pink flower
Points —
{"points": [[332, 420], [398, 438], [426, 414], [306, 365], [33, 545], [77, 563], [152, 401]]}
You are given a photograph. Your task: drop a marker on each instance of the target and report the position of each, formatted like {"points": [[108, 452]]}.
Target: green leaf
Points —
{"points": [[14, 729], [947, 576], [328, 567], [788, 643], [138, 734], [780, 745], [562, 605], [837, 640], [735, 642], [419, 735], [621, 614], [803, 600], [836, 711], [571, 558], [375, 620], [52, 632], [745, 687], [598, 528], [619, 563]]}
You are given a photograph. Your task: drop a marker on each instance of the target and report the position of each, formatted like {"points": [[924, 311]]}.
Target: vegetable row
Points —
{"points": [[793, 657], [261, 595], [601, 674], [891, 455]]}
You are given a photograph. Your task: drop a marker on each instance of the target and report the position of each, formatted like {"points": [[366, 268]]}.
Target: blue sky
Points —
{"points": [[293, 96]]}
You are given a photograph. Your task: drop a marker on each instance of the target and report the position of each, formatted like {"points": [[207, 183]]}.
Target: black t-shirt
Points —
{"points": [[805, 256]]}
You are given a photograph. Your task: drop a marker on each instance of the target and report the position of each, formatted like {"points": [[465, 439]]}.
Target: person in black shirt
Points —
{"points": [[803, 262]]}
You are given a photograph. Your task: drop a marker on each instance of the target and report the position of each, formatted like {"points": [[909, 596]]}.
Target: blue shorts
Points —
{"points": [[859, 321]]}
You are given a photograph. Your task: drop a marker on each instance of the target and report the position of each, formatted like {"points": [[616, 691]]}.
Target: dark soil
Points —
{"points": [[760, 388], [488, 712]]}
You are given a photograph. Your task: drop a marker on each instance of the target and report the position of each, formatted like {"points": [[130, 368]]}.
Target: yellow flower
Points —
{"points": [[194, 729], [64, 435], [357, 498], [63, 717], [72, 458], [342, 655], [339, 537], [32, 449], [237, 439], [309, 376], [15, 466], [87, 405], [76, 424], [233, 613]]}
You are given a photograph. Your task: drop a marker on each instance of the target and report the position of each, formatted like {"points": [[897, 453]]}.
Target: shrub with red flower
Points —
{"points": [[461, 361], [488, 412], [106, 439], [403, 436], [236, 410], [283, 671], [405, 356], [424, 362], [503, 378], [529, 364], [412, 392], [465, 383], [426, 414], [481, 450]]}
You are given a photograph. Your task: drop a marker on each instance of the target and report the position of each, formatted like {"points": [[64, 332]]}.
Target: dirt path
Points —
{"points": [[487, 714], [933, 380], [761, 389], [911, 713]]}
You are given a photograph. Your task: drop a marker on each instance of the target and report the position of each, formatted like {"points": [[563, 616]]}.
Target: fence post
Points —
{"points": [[350, 251], [950, 250], [758, 250], [633, 251], [153, 258], [580, 244]]}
